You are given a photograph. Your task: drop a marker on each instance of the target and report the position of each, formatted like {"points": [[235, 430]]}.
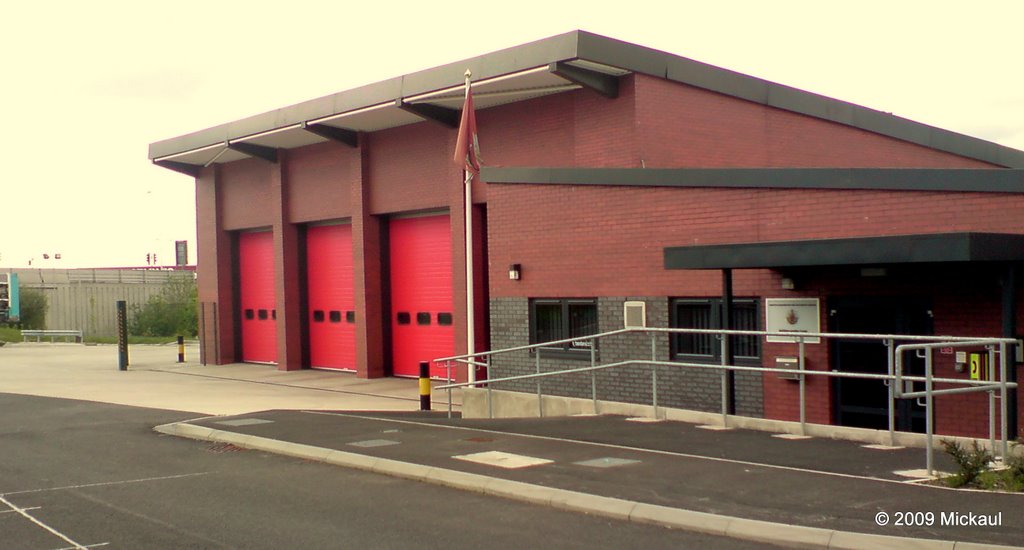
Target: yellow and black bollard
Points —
{"points": [[181, 349], [424, 386]]}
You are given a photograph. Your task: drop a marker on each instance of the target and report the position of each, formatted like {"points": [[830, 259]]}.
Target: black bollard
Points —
{"points": [[122, 335]]}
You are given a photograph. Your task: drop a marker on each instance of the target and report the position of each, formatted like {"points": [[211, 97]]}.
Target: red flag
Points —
{"points": [[467, 148]]}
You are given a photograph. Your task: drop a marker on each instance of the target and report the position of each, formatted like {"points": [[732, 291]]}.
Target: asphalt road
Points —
{"points": [[76, 474]]}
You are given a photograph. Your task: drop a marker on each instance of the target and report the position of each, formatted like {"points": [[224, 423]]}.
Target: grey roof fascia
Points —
{"points": [[966, 180], [857, 251]]}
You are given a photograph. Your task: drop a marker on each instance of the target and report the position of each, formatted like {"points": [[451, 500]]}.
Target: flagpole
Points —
{"points": [[470, 299]]}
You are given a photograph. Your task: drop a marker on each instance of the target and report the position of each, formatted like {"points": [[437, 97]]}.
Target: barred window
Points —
{"points": [[706, 313]]}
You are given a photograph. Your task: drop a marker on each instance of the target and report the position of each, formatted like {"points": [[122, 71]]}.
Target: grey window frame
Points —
{"points": [[566, 350], [715, 306]]}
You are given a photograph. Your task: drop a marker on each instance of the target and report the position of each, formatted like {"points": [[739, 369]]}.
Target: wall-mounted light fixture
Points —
{"points": [[514, 272], [788, 284]]}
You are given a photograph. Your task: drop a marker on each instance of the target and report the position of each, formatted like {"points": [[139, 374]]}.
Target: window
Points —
{"points": [[335, 316], [403, 318], [423, 318], [558, 319], [318, 316], [444, 319], [706, 313]]}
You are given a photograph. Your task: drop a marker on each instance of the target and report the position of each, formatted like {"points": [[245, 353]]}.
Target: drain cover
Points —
{"points": [[224, 448]]}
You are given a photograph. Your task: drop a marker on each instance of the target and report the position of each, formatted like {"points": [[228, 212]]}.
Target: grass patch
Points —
{"points": [[8, 334], [974, 465], [1000, 480]]}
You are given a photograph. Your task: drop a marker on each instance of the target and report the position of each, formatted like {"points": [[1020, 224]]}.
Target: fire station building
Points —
{"points": [[332, 232]]}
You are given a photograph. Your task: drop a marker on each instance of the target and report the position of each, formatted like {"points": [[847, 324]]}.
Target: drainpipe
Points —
{"points": [[726, 323], [1009, 284]]}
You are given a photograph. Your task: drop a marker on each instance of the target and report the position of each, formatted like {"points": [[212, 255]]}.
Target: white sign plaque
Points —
{"points": [[792, 315]]}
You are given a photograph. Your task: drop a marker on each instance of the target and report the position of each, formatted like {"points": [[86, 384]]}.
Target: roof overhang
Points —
{"points": [[546, 67], [553, 65], [888, 250]]}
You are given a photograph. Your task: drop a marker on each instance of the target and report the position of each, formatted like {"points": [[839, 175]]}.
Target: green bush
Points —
{"points": [[33, 309], [971, 461], [1015, 463], [169, 313]]}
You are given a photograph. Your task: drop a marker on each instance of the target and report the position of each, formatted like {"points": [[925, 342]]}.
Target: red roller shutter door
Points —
{"points": [[421, 293], [332, 329], [258, 313]]}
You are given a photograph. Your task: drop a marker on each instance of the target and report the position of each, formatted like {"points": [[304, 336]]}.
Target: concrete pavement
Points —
{"points": [[154, 379], [738, 483]]}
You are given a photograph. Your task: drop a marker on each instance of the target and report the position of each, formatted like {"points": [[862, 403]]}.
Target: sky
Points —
{"points": [[87, 86]]}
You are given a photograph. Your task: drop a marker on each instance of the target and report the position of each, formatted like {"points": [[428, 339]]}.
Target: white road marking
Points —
{"points": [[25, 509], [883, 447], [715, 428], [53, 531], [86, 546], [607, 462], [102, 484], [613, 446], [644, 419]]}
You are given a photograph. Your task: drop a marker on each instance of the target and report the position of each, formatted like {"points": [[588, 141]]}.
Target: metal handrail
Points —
{"points": [[731, 332], [894, 378]]}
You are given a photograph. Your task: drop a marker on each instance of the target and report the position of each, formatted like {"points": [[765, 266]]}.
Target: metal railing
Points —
{"points": [[895, 378]]}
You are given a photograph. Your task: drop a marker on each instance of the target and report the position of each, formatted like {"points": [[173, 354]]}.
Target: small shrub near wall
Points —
{"points": [[33, 309], [171, 312]]}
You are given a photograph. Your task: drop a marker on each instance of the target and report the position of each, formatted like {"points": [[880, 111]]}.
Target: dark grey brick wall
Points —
{"points": [[679, 387]]}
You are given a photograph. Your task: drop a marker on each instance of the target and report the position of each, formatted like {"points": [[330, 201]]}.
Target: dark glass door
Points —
{"points": [[864, 403]]}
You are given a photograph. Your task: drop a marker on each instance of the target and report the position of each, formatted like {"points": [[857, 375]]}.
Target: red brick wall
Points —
{"points": [[245, 192], [684, 126], [580, 128], [319, 182], [610, 240], [411, 168]]}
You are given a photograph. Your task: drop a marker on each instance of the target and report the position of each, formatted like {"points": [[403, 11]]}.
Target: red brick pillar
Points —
{"points": [[215, 273], [287, 283], [368, 277]]}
